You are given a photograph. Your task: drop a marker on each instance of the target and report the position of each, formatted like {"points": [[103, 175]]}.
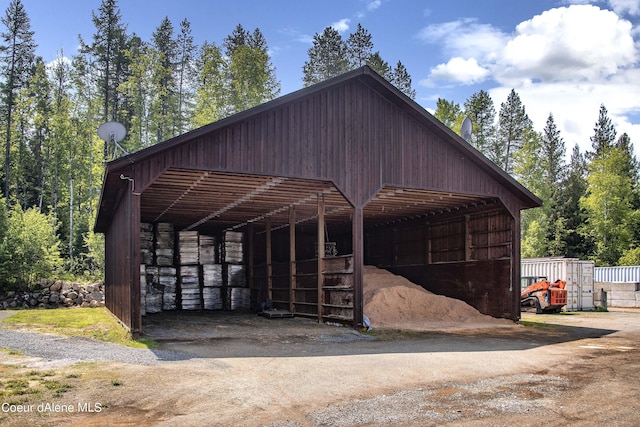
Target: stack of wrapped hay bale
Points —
{"points": [[190, 295], [157, 274], [237, 293], [193, 275]]}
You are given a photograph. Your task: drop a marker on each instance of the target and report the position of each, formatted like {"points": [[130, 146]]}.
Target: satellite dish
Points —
{"points": [[113, 132], [465, 130]]}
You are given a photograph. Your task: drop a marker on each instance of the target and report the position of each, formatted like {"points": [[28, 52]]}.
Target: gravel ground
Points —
{"points": [[62, 350], [581, 370]]}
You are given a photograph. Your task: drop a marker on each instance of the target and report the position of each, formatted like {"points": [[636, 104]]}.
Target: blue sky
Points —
{"points": [[564, 57]]}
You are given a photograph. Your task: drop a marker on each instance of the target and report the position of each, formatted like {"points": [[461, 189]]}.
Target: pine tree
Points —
{"points": [[327, 57], [401, 79], [37, 115], [252, 77], [108, 49], [448, 112], [552, 163], [212, 100], [17, 56], [359, 48], [512, 123], [380, 66], [577, 241], [186, 75], [480, 110], [165, 102], [138, 89], [604, 133], [239, 37]]}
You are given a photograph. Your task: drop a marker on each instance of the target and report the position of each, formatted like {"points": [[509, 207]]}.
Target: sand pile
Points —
{"points": [[393, 302]]}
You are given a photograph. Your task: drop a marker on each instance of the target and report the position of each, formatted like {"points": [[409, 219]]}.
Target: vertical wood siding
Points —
{"points": [[349, 134], [120, 262]]}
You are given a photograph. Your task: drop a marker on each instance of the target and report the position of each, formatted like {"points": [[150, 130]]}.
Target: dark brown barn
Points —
{"points": [[351, 161]]}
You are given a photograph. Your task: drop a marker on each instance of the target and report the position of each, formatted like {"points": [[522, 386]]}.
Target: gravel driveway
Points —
{"points": [[54, 348], [581, 370]]}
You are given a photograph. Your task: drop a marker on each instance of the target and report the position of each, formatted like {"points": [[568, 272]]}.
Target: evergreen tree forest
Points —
{"points": [[591, 200], [157, 88]]}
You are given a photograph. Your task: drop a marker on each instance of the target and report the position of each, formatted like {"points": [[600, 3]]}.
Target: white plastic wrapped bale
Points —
{"points": [[238, 298], [236, 276], [190, 287], [212, 275], [153, 298], [233, 250], [207, 250], [188, 247], [146, 243], [168, 280], [153, 302], [154, 291], [164, 243], [164, 257], [212, 298]]}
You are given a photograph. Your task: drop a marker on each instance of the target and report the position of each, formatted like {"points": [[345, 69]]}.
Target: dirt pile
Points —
{"points": [[393, 302]]}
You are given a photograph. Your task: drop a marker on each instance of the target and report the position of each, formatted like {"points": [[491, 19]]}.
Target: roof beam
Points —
{"points": [[247, 197], [183, 195]]}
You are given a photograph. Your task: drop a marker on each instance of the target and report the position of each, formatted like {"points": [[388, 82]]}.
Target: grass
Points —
{"points": [[17, 387], [93, 323]]}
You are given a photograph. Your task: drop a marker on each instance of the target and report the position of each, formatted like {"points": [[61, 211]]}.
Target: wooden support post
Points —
{"points": [[357, 228], [468, 239], [269, 270], [320, 256], [135, 300], [292, 258], [250, 260]]}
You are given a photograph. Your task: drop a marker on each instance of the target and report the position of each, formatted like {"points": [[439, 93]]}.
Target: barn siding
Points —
{"points": [[349, 134], [122, 261]]}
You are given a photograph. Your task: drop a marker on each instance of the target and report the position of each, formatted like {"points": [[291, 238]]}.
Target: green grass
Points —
{"points": [[94, 323]]}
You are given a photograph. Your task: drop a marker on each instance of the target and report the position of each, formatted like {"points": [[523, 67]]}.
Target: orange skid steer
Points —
{"points": [[544, 296]]}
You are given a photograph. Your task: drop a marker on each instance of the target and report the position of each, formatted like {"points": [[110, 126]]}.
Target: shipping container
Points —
{"points": [[626, 274], [577, 273]]}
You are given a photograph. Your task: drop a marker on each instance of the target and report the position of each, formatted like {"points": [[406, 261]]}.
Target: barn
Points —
{"points": [[350, 165]]}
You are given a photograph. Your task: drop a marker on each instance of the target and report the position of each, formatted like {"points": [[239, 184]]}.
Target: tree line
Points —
{"points": [[591, 204], [157, 88]]}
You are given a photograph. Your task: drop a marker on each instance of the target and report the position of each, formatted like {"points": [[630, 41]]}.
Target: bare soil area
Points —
{"points": [[242, 370]]}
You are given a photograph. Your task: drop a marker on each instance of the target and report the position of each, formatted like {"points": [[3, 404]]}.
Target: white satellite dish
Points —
{"points": [[465, 130], [113, 132]]}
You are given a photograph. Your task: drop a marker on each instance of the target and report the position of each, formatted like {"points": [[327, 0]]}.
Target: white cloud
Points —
{"points": [[569, 43], [621, 7], [566, 61], [297, 36], [373, 5], [465, 38], [460, 70], [342, 25]]}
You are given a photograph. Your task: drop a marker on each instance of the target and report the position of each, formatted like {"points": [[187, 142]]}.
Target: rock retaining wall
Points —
{"points": [[55, 294]]}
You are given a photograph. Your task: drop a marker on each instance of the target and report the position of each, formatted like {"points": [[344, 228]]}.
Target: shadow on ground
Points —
{"points": [[226, 335]]}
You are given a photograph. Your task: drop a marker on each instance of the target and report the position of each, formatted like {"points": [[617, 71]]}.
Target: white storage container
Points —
{"points": [[577, 273]]}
